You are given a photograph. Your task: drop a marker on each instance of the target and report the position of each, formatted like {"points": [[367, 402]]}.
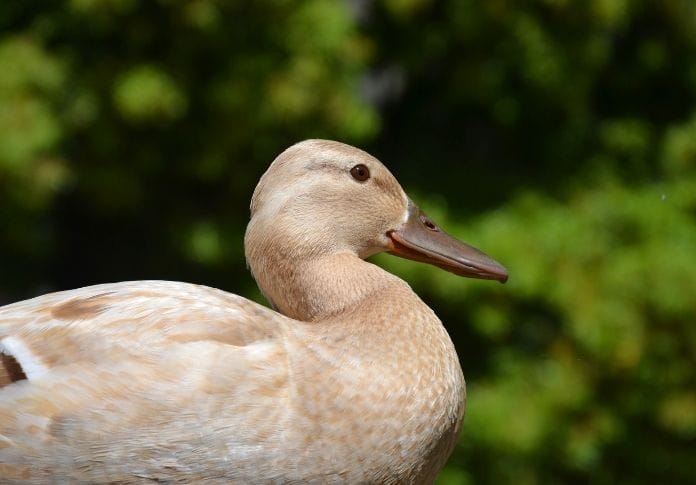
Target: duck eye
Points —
{"points": [[360, 172]]}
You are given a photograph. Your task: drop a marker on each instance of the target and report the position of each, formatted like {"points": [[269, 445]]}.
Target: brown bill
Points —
{"points": [[420, 239]]}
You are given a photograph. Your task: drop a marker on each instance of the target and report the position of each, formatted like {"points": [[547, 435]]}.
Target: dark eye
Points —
{"points": [[360, 172]]}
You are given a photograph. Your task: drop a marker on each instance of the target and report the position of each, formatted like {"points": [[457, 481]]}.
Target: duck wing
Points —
{"points": [[138, 380]]}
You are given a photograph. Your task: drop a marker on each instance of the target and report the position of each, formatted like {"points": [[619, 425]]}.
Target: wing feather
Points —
{"points": [[82, 325], [148, 365]]}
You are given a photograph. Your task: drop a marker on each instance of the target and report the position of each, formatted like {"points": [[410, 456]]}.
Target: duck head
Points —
{"points": [[322, 197]]}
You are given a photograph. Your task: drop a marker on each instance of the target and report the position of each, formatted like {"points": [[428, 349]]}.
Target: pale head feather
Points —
{"points": [[308, 196]]}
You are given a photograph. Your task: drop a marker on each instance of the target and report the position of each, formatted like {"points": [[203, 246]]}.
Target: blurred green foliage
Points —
{"points": [[557, 135]]}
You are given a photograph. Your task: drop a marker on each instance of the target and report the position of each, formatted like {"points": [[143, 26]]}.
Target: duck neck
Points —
{"points": [[322, 286]]}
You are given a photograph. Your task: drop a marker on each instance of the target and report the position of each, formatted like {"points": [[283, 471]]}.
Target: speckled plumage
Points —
{"points": [[353, 380]]}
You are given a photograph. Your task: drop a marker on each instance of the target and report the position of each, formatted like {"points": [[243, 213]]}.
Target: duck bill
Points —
{"points": [[420, 239]]}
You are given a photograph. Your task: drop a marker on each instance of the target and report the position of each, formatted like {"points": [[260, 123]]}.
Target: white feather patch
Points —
{"points": [[31, 364]]}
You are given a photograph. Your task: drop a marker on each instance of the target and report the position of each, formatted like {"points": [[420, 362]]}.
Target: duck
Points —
{"points": [[348, 377]]}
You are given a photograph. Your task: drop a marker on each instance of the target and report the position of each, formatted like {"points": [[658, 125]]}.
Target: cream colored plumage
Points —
{"points": [[353, 380]]}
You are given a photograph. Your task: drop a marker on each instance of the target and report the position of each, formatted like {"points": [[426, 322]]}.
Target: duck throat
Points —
{"points": [[319, 287]]}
